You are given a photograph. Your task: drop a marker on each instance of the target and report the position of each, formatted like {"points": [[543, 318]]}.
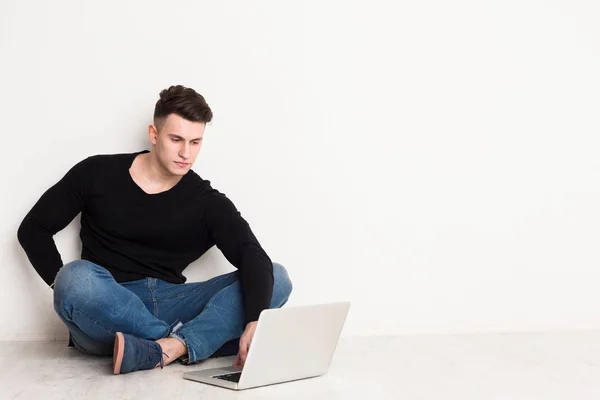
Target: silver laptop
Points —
{"points": [[290, 343]]}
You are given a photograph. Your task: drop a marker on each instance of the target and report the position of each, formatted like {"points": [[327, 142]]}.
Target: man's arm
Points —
{"points": [[235, 239], [55, 209]]}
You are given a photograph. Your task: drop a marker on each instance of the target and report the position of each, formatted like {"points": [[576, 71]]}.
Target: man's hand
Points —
{"points": [[245, 342]]}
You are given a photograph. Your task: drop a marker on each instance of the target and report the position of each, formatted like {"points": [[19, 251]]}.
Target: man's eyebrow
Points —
{"points": [[179, 137]]}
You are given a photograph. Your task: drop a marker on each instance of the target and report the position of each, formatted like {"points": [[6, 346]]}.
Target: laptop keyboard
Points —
{"points": [[235, 377]]}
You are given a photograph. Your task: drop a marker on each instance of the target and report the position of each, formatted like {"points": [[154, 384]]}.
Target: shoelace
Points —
{"points": [[162, 362]]}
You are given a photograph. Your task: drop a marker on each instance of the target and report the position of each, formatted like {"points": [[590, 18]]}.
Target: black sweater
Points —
{"points": [[135, 235]]}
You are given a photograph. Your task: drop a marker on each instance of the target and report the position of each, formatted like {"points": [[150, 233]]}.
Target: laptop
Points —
{"points": [[289, 344]]}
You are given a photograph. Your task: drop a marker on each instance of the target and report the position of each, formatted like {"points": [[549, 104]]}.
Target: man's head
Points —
{"points": [[180, 117]]}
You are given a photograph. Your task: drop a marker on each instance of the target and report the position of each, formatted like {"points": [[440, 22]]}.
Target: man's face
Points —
{"points": [[177, 144]]}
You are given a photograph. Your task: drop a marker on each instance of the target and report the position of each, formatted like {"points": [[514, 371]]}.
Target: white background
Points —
{"points": [[434, 162]]}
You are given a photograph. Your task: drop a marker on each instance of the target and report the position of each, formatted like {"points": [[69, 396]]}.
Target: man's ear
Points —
{"points": [[153, 134]]}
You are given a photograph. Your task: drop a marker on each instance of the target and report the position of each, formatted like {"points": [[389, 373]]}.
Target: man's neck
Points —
{"points": [[153, 175]]}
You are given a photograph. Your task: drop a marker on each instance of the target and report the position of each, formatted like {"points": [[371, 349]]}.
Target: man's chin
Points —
{"points": [[180, 172]]}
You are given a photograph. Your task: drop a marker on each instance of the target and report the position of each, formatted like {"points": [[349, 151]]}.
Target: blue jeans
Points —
{"points": [[202, 315]]}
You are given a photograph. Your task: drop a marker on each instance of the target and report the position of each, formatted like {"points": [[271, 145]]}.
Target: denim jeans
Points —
{"points": [[202, 315]]}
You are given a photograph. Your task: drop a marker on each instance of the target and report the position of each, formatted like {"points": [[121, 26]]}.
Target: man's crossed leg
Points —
{"points": [[158, 322]]}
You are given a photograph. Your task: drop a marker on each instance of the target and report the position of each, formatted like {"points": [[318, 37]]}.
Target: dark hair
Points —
{"points": [[185, 102]]}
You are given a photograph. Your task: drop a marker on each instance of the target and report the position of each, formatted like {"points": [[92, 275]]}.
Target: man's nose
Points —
{"points": [[184, 151]]}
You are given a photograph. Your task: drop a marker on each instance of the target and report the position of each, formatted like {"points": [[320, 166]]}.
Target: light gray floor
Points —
{"points": [[491, 366]]}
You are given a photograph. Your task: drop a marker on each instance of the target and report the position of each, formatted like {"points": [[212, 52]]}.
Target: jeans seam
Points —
{"points": [[152, 297], [60, 303]]}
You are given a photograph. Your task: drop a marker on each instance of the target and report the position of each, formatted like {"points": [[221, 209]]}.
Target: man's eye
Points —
{"points": [[175, 140]]}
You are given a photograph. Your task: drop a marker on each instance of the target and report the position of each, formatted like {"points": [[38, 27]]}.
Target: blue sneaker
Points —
{"points": [[133, 354]]}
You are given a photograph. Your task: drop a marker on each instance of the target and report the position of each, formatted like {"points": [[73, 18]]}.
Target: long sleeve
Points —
{"points": [[235, 239], [55, 209]]}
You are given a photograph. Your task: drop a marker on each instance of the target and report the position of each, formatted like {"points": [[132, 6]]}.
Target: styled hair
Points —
{"points": [[185, 102]]}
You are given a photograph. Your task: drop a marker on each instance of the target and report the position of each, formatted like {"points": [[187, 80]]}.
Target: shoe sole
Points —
{"points": [[118, 353]]}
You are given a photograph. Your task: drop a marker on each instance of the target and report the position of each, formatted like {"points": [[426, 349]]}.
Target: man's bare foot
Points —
{"points": [[173, 348]]}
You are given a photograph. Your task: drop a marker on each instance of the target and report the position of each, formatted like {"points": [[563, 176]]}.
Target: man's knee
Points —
{"points": [[74, 282], [282, 286]]}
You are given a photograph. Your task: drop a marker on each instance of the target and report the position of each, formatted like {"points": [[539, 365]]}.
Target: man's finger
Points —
{"points": [[244, 352], [238, 360]]}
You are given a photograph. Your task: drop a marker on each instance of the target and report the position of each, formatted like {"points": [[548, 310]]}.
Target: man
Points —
{"points": [[145, 217]]}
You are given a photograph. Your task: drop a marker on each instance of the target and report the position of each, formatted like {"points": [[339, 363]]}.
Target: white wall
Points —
{"points": [[434, 162]]}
